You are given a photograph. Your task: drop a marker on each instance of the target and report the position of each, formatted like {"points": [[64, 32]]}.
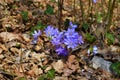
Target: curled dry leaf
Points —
{"points": [[67, 72], [109, 49], [1, 50], [58, 66], [3, 47], [38, 56], [12, 44], [60, 78], [2, 56], [15, 50], [72, 63], [26, 37], [36, 70], [31, 73], [6, 36], [37, 48], [27, 54]]}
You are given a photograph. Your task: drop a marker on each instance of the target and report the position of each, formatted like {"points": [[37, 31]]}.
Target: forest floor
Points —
{"points": [[21, 60]]}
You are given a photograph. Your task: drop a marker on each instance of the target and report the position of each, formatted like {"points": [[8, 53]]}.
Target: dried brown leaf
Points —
{"points": [[67, 72], [3, 47], [60, 78], [38, 56], [6, 36], [58, 66], [72, 63], [31, 73]]}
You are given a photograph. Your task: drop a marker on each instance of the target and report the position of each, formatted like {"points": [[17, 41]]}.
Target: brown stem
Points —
{"points": [[82, 10], [60, 7], [74, 10], [110, 13]]}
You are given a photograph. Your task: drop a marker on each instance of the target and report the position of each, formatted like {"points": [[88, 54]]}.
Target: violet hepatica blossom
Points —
{"points": [[35, 35], [72, 38], [68, 39], [70, 42], [57, 39], [70, 33], [51, 32], [79, 39], [56, 32], [61, 51], [72, 25]]}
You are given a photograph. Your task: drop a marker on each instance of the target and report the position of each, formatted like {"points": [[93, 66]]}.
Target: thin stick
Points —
{"points": [[60, 7], [110, 13], [74, 11], [82, 10]]}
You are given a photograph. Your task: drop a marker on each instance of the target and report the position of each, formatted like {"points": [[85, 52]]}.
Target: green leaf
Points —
{"points": [[43, 67], [51, 74], [43, 77], [24, 15], [99, 17], [90, 38], [118, 0], [53, 0], [17, 45], [49, 10], [110, 38], [115, 68], [39, 26], [85, 26], [22, 78]]}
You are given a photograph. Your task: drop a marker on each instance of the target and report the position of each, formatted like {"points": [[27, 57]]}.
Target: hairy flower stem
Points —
{"points": [[82, 10], [60, 7], [110, 13]]}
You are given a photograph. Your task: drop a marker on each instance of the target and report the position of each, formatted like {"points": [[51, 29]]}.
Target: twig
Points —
{"points": [[110, 13], [82, 10], [60, 7]]}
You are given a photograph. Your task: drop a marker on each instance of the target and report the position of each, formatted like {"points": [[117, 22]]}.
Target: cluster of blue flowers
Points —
{"points": [[63, 41]]}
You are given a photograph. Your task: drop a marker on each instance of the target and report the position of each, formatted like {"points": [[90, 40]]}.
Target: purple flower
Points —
{"points": [[68, 39], [70, 33], [58, 39], [72, 38], [61, 51], [56, 32], [70, 42], [72, 25], [79, 39], [51, 32], [94, 1], [36, 34]]}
